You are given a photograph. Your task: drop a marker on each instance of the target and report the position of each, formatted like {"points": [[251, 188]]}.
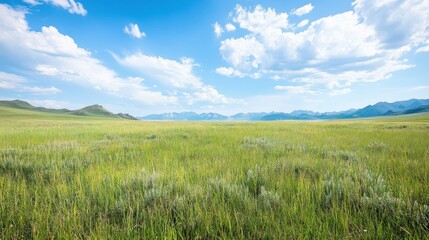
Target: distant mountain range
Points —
{"points": [[379, 109], [93, 110]]}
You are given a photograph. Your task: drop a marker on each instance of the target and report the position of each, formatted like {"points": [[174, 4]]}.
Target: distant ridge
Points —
{"points": [[379, 109], [16, 104], [395, 108], [93, 110]]}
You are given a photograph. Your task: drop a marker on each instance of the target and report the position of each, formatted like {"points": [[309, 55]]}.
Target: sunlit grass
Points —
{"points": [[76, 178]]}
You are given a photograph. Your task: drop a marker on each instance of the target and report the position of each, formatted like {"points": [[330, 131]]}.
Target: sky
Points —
{"points": [[145, 57]]}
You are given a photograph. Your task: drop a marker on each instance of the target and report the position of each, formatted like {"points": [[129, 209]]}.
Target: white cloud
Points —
{"points": [[174, 74], [276, 78], [41, 91], [298, 90], [424, 48], [53, 54], [55, 104], [218, 30], [47, 70], [339, 80], [303, 23], [304, 10], [260, 20], [209, 94], [229, 27], [332, 52], [229, 72], [32, 2], [245, 53], [70, 5], [14, 82], [396, 22], [256, 75], [170, 72], [418, 88], [310, 89], [338, 92], [12, 79], [134, 31]]}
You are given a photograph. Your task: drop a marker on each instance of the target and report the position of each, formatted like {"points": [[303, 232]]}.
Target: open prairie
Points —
{"points": [[93, 178], [193, 119]]}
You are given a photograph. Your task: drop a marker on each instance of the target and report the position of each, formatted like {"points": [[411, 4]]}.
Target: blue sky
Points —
{"points": [[145, 57]]}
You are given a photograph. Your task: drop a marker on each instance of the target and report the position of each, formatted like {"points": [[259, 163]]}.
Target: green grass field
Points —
{"points": [[79, 177]]}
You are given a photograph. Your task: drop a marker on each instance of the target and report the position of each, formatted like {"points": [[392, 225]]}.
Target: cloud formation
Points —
{"points": [[303, 23], [177, 75], [134, 31], [50, 104], [260, 20], [218, 30], [306, 9], [229, 72], [230, 27], [17, 83], [298, 90], [364, 45], [71, 5], [51, 53]]}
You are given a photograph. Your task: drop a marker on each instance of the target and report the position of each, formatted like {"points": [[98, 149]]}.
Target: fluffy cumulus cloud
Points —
{"points": [[134, 31], [218, 30], [260, 20], [177, 75], [244, 53], [70, 5], [230, 27], [49, 53], [366, 44], [229, 72], [306, 9]]}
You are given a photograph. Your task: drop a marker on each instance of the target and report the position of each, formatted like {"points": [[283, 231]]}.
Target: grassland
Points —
{"points": [[74, 177]]}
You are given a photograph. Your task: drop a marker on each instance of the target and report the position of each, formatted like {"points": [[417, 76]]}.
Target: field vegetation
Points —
{"points": [[75, 177]]}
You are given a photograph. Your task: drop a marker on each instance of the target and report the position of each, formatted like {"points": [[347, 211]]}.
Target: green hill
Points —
{"points": [[22, 108], [16, 104], [25, 105], [94, 110]]}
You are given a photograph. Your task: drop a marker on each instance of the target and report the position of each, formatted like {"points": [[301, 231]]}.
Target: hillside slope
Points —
{"points": [[27, 109]]}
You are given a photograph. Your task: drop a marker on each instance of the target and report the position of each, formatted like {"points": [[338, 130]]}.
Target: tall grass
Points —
{"points": [[281, 180]]}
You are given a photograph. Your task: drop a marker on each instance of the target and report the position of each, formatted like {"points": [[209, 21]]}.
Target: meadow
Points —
{"points": [[71, 178]]}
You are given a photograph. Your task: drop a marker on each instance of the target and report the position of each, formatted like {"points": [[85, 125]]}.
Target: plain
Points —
{"points": [[88, 177]]}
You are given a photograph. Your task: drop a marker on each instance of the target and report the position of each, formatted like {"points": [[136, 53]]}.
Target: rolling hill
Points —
{"points": [[97, 111], [94, 110]]}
